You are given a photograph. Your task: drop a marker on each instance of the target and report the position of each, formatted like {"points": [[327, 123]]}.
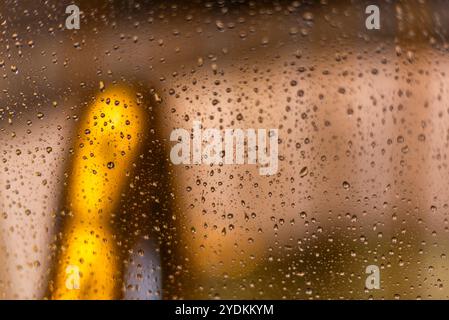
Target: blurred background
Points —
{"points": [[363, 145]]}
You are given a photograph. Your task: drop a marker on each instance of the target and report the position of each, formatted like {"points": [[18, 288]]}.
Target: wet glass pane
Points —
{"points": [[224, 150]]}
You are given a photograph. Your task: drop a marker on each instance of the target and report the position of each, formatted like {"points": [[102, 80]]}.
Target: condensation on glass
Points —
{"points": [[92, 207]]}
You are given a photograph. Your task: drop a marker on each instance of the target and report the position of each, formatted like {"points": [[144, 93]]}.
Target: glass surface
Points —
{"points": [[94, 203]]}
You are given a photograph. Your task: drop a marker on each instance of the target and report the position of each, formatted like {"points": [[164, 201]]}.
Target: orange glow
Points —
{"points": [[109, 137]]}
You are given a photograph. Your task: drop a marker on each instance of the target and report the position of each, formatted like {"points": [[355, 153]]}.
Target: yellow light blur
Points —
{"points": [[108, 140]]}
